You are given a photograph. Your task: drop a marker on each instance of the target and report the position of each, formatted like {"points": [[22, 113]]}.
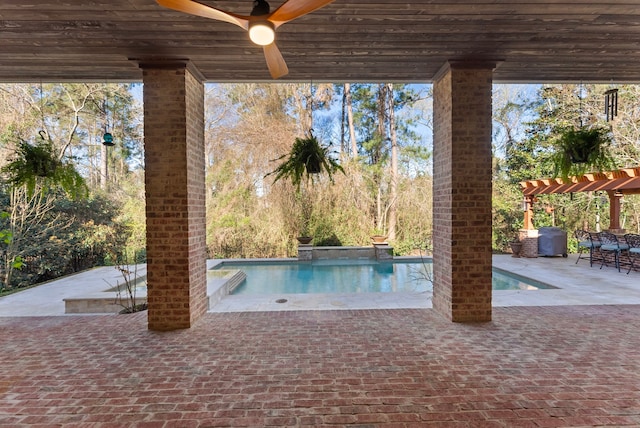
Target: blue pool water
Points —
{"points": [[350, 276]]}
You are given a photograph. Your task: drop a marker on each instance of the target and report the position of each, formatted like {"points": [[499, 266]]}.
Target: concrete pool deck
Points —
{"points": [[578, 284]]}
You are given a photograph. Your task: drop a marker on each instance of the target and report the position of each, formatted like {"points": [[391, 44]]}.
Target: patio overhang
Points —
{"points": [[345, 41]]}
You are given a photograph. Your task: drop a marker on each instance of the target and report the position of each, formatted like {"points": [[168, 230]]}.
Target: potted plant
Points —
{"points": [[305, 240], [378, 236], [304, 220], [516, 247], [38, 163], [582, 150], [306, 159]]}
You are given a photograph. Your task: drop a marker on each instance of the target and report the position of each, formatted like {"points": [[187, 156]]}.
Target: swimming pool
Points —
{"points": [[350, 276]]}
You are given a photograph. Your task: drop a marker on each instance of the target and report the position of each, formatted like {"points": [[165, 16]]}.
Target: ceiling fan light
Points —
{"points": [[262, 33]]}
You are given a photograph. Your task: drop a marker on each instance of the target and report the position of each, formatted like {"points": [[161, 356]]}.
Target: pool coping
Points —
{"points": [[337, 301], [109, 300], [579, 285]]}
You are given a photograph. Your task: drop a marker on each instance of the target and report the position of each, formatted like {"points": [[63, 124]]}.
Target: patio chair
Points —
{"points": [[609, 243], [633, 240], [587, 241], [597, 254]]}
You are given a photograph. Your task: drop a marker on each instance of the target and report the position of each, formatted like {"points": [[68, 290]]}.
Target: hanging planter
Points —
{"points": [[37, 163], [306, 157], [313, 166], [582, 150]]}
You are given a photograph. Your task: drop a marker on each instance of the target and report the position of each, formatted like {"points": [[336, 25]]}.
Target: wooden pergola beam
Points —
{"points": [[615, 183], [626, 180]]}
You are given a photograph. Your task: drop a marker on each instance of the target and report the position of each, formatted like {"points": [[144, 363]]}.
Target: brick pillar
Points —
{"points": [[175, 194], [462, 192], [529, 239]]}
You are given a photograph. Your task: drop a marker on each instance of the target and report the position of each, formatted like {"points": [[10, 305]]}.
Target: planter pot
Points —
{"points": [[579, 157], [305, 239], [378, 239], [516, 247], [313, 166]]}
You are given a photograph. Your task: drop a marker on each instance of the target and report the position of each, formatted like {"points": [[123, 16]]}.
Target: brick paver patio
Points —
{"points": [[562, 366]]}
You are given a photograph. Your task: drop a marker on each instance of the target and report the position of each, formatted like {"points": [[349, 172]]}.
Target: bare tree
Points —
{"points": [[31, 222]]}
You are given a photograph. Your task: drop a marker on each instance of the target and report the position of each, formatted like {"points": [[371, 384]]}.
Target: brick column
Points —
{"points": [[175, 194], [462, 192], [529, 239]]}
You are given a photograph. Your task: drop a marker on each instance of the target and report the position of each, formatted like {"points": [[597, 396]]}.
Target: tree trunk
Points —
{"points": [[352, 129], [11, 251], [393, 188], [382, 133]]}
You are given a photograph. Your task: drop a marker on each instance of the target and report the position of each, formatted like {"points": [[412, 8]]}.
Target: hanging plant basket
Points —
{"points": [[307, 157], [582, 157], [313, 166], [37, 163], [582, 150]]}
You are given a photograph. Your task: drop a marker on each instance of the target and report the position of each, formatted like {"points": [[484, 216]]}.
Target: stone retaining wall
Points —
{"points": [[382, 251]]}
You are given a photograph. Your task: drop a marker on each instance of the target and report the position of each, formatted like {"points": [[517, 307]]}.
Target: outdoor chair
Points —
{"points": [[587, 241], [597, 254], [633, 240], [609, 243]]}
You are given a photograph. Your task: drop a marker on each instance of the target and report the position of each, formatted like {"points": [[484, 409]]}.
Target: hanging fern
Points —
{"points": [[582, 150], [37, 164], [306, 157]]}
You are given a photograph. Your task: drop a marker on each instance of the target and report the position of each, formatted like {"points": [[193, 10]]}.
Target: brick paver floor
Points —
{"points": [[571, 366]]}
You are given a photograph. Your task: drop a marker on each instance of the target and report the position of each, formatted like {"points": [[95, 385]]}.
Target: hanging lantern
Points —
{"points": [[107, 139], [611, 104]]}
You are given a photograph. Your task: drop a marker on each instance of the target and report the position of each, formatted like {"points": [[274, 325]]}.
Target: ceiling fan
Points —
{"points": [[261, 23]]}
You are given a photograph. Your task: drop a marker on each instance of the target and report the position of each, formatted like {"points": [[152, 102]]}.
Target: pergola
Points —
{"points": [[616, 184], [461, 46]]}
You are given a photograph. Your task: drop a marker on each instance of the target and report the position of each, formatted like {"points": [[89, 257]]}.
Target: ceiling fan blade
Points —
{"points": [[293, 9], [275, 61], [196, 8]]}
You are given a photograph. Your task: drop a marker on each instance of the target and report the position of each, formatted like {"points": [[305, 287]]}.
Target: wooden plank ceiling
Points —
{"points": [[348, 40]]}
